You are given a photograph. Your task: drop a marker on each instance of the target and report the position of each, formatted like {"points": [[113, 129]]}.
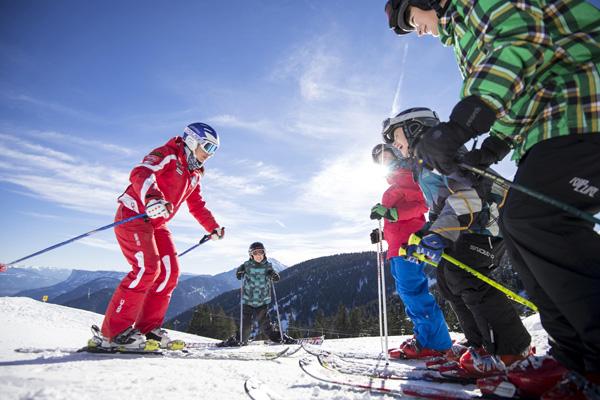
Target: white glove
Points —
{"points": [[217, 234], [157, 208]]}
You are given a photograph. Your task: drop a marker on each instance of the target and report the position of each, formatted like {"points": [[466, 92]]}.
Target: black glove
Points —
{"points": [[239, 275], [493, 149], [273, 275], [376, 236], [438, 146]]}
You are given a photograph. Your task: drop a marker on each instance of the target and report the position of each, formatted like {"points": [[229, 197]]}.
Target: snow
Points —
{"points": [[55, 375]]}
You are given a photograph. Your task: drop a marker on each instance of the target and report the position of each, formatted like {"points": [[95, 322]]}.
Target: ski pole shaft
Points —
{"points": [[533, 193], [384, 299], [123, 221], [204, 239], [277, 310], [414, 239], [379, 297], [241, 309], [509, 293]]}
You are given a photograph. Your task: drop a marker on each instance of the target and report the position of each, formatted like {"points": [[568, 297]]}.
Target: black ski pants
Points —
{"points": [[260, 315], [556, 254], [487, 317]]}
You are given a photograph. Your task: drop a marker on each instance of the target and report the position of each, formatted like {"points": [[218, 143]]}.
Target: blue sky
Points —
{"points": [[296, 89]]}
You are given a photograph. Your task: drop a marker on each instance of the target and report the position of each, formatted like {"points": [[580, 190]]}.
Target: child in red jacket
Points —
{"points": [[402, 207]]}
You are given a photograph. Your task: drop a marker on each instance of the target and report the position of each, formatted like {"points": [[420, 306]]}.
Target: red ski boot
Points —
{"points": [[410, 349], [452, 355], [536, 375], [480, 363], [573, 387]]}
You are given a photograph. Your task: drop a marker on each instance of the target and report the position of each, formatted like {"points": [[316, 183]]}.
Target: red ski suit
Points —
{"points": [[143, 296], [405, 195]]}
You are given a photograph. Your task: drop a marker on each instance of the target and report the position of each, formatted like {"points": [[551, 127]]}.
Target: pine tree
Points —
{"points": [[355, 320], [320, 325], [341, 325]]}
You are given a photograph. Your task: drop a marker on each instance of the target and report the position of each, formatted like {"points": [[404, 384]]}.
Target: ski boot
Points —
{"points": [[478, 363], [573, 386], [289, 340], [130, 340], [410, 349], [230, 342], [535, 375], [452, 355], [162, 337], [98, 340], [276, 337]]}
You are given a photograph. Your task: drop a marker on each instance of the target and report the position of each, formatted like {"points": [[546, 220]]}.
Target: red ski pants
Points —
{"points": [[143, 296]]}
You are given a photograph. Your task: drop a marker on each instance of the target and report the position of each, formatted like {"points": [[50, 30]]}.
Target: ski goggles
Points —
{"points": [[258, 252], [208, 147]]}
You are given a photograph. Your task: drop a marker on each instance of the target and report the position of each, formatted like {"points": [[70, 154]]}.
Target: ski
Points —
{"points": [[206, 354], [229, 354], [313, 340], [258, 390], [422, 389], [201, 345], [394, 372], [316, 351]]}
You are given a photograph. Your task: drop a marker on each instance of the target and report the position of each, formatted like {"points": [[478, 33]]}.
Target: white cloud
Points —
{"points": [[54, 107], [263, 172], [322, 72], [59, 177], [100, 243], [39, 215], [232, 121], [346, 187], [95, 145]]}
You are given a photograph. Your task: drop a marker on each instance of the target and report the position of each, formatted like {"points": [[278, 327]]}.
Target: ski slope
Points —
{"points": [[54, 375]]}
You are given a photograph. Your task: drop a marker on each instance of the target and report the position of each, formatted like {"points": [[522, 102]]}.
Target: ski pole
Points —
{"points": [[241, 309], [384, 298], [123, 221], [204, 239], [277, 310], [379, 294], [414, 239], [533, 193]]}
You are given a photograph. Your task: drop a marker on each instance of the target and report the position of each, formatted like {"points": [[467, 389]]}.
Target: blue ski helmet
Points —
{"points": [[201, 135]]}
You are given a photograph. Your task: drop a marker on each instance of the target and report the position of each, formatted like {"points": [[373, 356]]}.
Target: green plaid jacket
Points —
{"points": [[536, 62]]}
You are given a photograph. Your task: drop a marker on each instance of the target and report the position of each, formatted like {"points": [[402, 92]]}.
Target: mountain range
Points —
{"points": [[92, 290]]}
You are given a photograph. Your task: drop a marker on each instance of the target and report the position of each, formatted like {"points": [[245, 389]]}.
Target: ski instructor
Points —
{"points": [[531, 72], [167, 176]]}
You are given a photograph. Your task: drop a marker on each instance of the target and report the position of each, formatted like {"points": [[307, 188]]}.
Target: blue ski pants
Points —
{"points": [[430, 328]]}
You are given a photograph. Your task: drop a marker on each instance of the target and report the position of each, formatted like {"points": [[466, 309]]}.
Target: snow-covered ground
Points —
{"points": [[53, 375]]}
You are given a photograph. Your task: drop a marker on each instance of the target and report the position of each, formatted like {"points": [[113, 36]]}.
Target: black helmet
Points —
{"points": [[413, 121], [377, 151], [256, 246], [397, 13]]}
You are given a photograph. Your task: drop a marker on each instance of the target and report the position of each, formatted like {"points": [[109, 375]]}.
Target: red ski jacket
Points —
{"points": [[164, 174], [405, 195]]}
